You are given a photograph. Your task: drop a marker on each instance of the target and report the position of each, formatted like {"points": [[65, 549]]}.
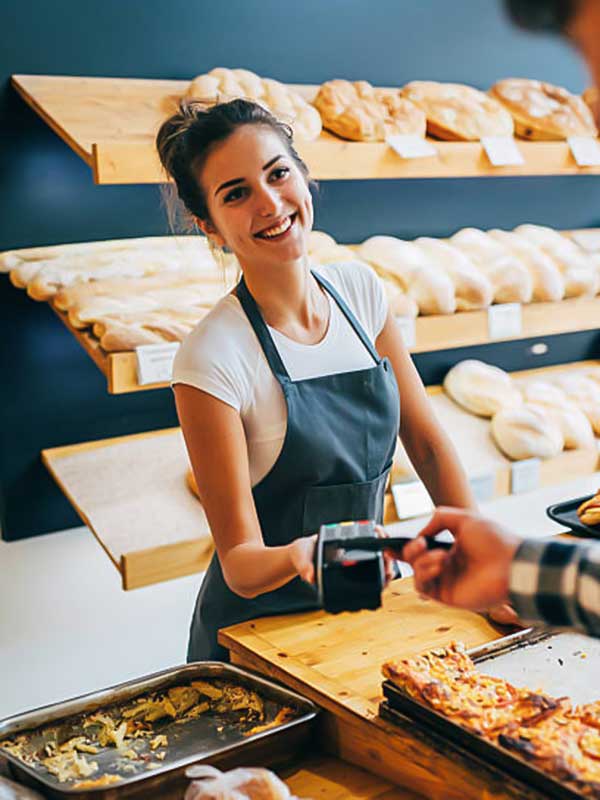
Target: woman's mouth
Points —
{"points": [[278, 231]]}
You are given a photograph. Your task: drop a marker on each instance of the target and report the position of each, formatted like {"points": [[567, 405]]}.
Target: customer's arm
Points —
{"points": [[557, 583], [550, 582]]}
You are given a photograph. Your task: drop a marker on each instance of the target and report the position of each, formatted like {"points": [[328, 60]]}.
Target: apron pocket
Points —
{"points": [[344, 501]]}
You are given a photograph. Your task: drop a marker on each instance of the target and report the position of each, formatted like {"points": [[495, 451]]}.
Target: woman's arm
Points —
{"points": [[426, 443], [216, 443]]}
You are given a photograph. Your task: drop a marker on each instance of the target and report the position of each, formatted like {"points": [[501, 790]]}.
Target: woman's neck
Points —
{"points": [[290, 300]]}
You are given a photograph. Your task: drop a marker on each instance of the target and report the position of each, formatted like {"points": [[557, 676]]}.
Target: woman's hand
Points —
{"points": [[389, 560], [302, 553]]}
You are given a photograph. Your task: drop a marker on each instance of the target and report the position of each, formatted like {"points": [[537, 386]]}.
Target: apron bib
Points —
{"points": [[333, 466]]}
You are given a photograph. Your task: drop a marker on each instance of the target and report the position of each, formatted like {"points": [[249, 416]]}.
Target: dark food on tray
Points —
{"points": [[135, 728], [589, 512], [557, 737]]}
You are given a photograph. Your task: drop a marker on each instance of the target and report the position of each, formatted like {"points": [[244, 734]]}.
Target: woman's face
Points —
{"points": [[258, 200]]}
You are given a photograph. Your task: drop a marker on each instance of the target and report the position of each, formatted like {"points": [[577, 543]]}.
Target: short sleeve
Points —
{"points": [[218, 357]]}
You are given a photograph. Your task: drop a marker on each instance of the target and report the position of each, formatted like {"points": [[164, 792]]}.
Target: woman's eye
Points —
{"points": [[280, 172], [234, 194]]}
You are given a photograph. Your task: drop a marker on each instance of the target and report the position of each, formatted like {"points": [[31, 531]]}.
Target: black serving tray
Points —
{"points": [[397, 706], [566, 514]]}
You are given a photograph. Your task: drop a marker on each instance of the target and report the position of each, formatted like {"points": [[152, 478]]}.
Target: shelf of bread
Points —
{"points": [[495, 448], [119, 296], [111, 123], [138, 497], [132, 493]]}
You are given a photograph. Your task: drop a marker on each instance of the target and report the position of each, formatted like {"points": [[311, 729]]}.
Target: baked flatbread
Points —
{"points": [[359, 112], [458, 113], [542, 111]]}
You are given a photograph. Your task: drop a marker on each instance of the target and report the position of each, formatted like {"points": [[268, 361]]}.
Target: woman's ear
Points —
{"points": [[209, 230]]}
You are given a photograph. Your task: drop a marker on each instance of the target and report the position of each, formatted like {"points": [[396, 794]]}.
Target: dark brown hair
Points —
{"points": [[185, 140]]}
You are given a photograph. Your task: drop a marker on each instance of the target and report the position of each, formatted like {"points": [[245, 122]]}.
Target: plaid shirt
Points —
{"points": [[557, 583]]}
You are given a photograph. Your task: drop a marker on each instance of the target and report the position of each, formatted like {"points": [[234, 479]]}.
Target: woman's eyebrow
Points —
{"points": [[235, 181]]}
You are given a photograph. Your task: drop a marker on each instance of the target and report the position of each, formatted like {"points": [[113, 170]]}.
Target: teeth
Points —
{"points": [[271, 232]]}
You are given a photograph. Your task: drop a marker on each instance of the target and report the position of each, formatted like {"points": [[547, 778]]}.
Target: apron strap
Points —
{"points": [[265, 339], [358, 329], [259, 326]]}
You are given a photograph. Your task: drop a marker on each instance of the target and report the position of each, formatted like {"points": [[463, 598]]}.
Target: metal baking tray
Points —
{"points": [[509, 657], [566, 514], [209, 737]]}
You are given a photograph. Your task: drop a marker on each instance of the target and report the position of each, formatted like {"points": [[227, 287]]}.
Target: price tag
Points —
{"points": [[410, 146], [155, 362], [505, 321], [502, 151], [483, 487], [525, 475], [411, 499], [585, 150], [408, 329], [588, 239]]}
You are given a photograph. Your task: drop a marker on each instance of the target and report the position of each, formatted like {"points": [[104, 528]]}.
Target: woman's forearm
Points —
{"points": [[251, 569], [439, 468]]}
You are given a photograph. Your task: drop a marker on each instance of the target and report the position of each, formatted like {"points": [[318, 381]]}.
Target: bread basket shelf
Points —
{"points": [[111, 124], [439, 332], [132, 494]]}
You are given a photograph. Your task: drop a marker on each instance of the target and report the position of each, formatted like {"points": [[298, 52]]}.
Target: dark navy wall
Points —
{"points": [[50, 392]]}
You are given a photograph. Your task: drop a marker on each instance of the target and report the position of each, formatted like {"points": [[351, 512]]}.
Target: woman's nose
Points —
{"points": [[268, 202]]}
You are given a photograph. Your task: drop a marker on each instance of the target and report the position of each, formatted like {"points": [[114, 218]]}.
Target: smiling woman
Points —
{"points": [[287, 391]]}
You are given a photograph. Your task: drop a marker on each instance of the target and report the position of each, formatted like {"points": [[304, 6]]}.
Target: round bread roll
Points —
{"points": [[190, 481], [548, 283], [585, 393], [580, 276], [575, 426], [510, 278], [527, 431], [481, 388], [473, 290], [405, 263]]}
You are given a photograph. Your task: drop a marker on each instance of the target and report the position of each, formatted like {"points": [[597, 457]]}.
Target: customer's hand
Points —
{"points": [[474, 573]]}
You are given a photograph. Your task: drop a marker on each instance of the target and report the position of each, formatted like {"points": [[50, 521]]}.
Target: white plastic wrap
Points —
{"points": [[244, 783]]}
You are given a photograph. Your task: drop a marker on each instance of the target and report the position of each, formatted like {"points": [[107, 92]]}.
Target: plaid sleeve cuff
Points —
{"points": [[557, 583]]}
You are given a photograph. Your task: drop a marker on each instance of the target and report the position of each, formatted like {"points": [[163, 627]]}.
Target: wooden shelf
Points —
{"points": [[131, 492], [111, 124], [439, 332]]}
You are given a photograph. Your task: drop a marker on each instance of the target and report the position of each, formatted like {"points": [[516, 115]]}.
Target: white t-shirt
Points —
{"points": [[223, 357]]}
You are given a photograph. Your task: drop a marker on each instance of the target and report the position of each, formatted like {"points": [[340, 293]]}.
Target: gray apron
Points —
{"points": [[333, 466]]}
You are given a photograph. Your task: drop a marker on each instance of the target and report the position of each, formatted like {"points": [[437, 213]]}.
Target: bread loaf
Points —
{"points": [[457, 112], [574, 425], [359, 112], [584, 393], [548, 282], [481, 388], [431, 288], [580, 276], [222, 84], [526, 431], [472, 289], [543, 111], [510, 278]]}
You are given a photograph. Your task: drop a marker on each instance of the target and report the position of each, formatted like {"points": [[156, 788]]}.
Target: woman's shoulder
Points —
{"points": [[349, 276], [361, 289], [222, 341]]}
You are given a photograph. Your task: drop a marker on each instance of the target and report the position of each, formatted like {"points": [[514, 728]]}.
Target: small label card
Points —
{"points": [[505, 321], [411, 499], [525, 475], [588, 239], [155, 362], [585, 150], [408, 329], [483, 487], [411, 146], [502, 151]]}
